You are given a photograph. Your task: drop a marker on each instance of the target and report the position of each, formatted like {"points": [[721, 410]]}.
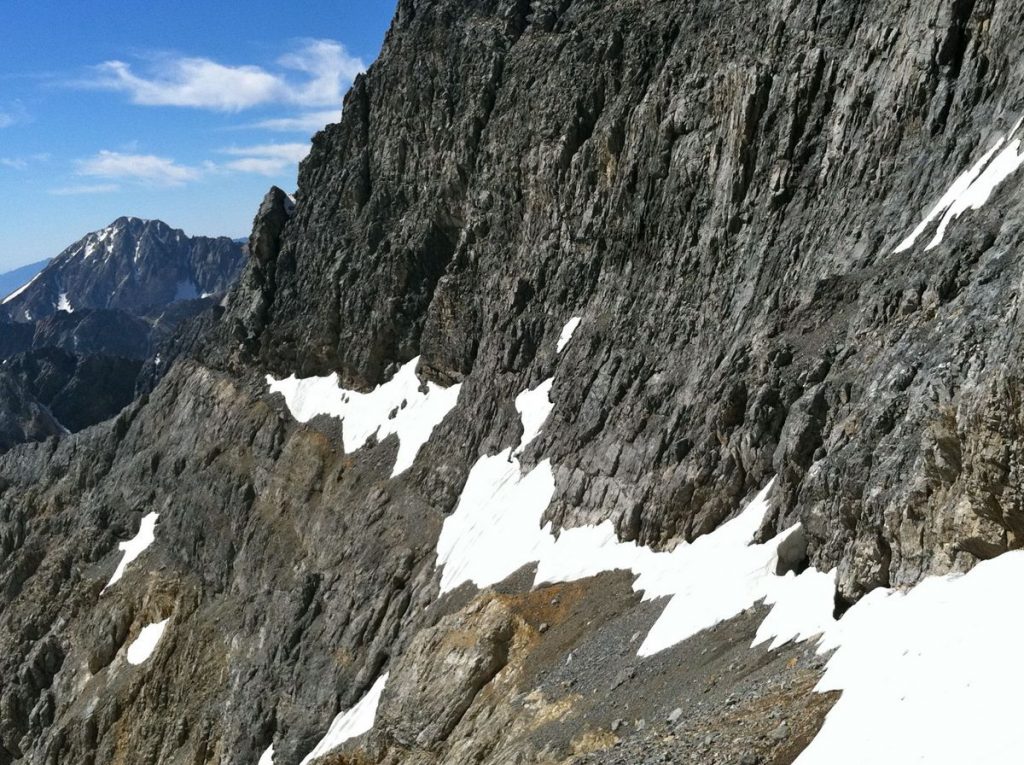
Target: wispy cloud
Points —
{"points": [[266, 159], [23, 163], [151, 170], [325, 65], [145, 168], [331, 69], [86, 188], [307, 122], [13, 114]]}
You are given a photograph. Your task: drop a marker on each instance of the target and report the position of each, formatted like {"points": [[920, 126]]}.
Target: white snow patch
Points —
{"points": [[802, 607], [347, 725], [21, 289], [567, 332], [971, 190], [143, 646], [496, 526], [135, 546], [534, 407], [923, 674], [267, 758], [920, 679], [398, 406], [96, 240], [495, 529], [63, 304]]}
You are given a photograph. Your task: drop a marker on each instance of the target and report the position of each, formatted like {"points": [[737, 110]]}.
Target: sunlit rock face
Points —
{"points": [[133, 265], [609, 268]]}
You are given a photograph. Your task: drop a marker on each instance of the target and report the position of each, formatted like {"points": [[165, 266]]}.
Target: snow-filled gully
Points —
{"points": [[915, 668], [972, 190]]}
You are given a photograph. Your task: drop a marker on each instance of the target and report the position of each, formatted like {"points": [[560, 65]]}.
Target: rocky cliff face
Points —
{"points": [[725, 197]]}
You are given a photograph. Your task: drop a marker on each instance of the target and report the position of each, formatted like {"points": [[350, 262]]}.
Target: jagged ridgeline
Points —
{"points": [[629, 382], [88, 329]]}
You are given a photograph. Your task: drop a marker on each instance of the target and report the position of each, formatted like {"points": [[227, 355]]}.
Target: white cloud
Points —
{"points": [[148, 169], [307, 122], [96, 188], [330, 67], [13, 113], [293, 152], [266, 159], [145, 168], [192, 82], [22, 163], [206, 84]]}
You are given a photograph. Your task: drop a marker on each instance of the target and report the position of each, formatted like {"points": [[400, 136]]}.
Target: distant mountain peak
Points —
{"points": [[132, 264]]}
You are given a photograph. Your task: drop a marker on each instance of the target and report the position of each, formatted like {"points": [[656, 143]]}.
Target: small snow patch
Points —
{"points": [[354, 722], [534, 407], [143, 646], [63, 304], [496, 526], [267, 758], [971, 190], [135, 546], [567, 332], [416, 413]]}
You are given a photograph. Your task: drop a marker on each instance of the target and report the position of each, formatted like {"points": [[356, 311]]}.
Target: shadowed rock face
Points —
{"points": [[718, 190], [22, 418]]}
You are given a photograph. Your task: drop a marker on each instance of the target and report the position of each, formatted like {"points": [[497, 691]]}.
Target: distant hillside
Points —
{"points": [[19, 277]]}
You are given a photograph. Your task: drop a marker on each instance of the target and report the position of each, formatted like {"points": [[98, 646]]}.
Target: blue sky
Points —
{"points": [[183, 110]]}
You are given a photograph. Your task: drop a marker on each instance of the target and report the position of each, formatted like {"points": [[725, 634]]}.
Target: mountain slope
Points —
{"points": [[12, 280], [132, 265], [645, 258], [75, 337]]}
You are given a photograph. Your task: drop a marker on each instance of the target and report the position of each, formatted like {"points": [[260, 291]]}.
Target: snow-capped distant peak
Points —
{"points": [[132, 265], [95, 242]]}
